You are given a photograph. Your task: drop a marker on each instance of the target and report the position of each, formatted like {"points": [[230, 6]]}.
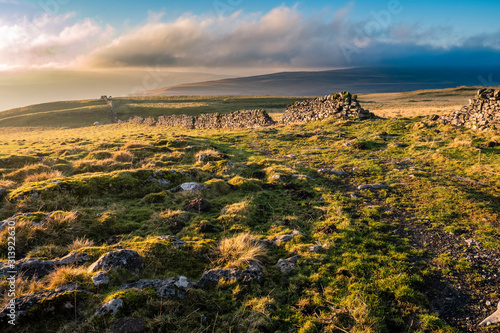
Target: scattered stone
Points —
{"points": [[26, 303], [127, 325], [332, 172], [100, 278], [112, 306], [285, 238], [315, 248], [470, 181], [277, 177], [73, 258], [287, 266], [372, 187], [212, 277], [198, 205], [190, 187], [127, 259], [173, 240], [166, 288], [493, 319]]}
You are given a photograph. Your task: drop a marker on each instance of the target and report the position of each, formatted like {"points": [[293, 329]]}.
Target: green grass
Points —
{"points": [[365, 278]]}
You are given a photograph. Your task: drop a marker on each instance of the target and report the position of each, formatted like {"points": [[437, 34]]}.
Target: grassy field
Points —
{"points": [[389, 260]]}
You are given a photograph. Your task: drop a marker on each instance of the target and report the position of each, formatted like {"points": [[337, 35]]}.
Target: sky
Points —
{"points": [[243, 37], [225, 35]]}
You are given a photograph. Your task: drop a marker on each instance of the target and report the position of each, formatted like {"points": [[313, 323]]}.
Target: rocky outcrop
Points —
{"points": [[34, 267], [52, 300], [286, 266], [127, 259], [336, 105], [212, 277], [238, 119], [482, 113], [166, 288]]}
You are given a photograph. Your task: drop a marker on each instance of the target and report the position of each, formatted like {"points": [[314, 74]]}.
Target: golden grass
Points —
{"points": [[80, 243], [43, 176], [136, 145], [123, 156], [240, 250]]}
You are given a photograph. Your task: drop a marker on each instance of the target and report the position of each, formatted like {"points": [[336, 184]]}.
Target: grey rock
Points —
{"points": [[127, 259], [493, 319], [277, 177], [166, 288], [173, 240], [315, 248], [100, 278], [26, 303], [190, 187], [127, 325], [286, 266], [212, 277], [73, 258], [332, 172], [372, 187], [112, 306], [287, 237]]}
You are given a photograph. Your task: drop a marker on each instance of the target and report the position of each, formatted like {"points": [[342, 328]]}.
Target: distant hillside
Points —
{"points": [[359, 80], [86, 112]]}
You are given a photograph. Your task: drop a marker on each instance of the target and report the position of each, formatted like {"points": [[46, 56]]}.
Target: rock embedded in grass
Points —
{"points": [[286, 266], [212, 277], [112, 306], [166, 288], [100, 278], [287, 237], [127, 259], [372, 187], [190, 187]]}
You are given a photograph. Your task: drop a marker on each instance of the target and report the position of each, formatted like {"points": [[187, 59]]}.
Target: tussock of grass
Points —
{"points": [[240, 250]]}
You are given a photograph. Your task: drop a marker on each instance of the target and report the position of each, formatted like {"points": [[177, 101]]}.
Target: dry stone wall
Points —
{"points": [[482, 113], [238, 119], [335, 105]]}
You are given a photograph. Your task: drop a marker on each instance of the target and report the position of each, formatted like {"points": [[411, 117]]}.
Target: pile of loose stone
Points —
{"points": [[482, 113], [342, 104]]}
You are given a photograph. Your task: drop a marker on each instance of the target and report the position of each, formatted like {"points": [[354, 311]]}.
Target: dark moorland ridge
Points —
{"points": [[361, 80]]}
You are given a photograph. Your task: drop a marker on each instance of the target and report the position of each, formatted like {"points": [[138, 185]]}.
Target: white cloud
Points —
{"points": [[47, 41], [281, 38]]}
